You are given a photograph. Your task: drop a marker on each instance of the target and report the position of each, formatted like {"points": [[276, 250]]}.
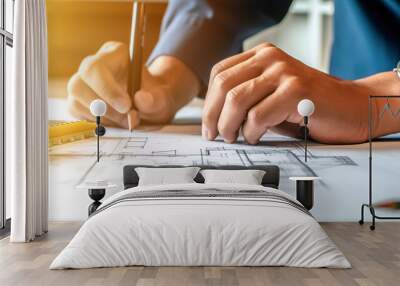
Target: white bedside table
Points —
{"points": [[305, 190], [96, 190]]}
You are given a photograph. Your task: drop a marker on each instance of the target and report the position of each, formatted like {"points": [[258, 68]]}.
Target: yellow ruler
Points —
{"points": [[61, 132]]}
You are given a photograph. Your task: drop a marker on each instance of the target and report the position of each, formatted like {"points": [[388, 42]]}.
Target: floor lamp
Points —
{"points": [[370, 204]]}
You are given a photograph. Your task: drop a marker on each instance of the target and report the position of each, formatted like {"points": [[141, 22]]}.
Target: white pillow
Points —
{"points": [[248, 177], [164, 176]]}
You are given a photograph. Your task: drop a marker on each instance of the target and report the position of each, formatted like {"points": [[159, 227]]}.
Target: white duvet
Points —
{"points": [[200, 231]]}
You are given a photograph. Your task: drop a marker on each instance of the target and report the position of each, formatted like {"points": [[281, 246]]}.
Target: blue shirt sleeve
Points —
{"points": [[366, 37], [202, 32]]}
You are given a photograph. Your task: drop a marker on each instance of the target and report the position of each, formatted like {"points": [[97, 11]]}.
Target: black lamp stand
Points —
{"points": [[305, 137], [304, 130], [99, 131]]}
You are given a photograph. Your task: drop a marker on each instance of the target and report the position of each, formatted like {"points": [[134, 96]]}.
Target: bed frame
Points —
{"points": [[270, 179]]}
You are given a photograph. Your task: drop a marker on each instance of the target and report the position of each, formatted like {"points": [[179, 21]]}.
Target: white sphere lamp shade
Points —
{"points": [[98, 107], [306, 107]]}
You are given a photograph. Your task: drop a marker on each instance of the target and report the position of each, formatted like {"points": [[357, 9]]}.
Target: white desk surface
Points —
{"points": [[344, 169]]}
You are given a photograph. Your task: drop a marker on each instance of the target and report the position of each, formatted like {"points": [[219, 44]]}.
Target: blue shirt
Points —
{"points": [[203, 32], [366, 37]]}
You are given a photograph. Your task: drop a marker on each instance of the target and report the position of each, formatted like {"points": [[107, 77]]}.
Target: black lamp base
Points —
{"points": [[305, 193], [96, 195]]}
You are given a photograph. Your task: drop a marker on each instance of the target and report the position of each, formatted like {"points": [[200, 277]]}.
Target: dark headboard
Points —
{"points": [[271, 177]]}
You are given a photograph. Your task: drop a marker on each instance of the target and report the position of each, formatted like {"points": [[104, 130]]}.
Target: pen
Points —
{"points": [[135, 52], [388, 205]]}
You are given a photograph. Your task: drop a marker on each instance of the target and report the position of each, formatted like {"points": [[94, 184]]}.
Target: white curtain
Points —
{"points": [[27, 123]]}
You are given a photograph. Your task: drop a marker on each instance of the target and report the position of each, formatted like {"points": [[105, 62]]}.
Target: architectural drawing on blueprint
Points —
{"points": [[343, 169], [146, 148]]}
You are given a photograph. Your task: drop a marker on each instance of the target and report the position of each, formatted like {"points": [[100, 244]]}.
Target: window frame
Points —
{"points": [[6, 39]]}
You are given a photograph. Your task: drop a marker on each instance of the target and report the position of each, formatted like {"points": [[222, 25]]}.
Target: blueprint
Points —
{"points": [[342, 169], [120, 148]]}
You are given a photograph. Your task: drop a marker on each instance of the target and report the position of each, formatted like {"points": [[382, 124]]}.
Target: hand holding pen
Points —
{"points": [[132, 91], [167, 85]]}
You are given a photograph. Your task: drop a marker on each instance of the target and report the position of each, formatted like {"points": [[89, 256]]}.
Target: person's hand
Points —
{"points": [[259, 90], [105, 75]]}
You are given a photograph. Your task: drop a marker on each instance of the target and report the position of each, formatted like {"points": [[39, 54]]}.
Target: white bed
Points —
{"points": [[269, 229]]}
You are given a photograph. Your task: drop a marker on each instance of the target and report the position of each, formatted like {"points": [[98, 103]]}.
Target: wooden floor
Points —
{"points": [[375, 257]]}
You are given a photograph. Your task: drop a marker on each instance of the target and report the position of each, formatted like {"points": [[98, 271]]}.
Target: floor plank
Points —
{"points": [[375, 257]]}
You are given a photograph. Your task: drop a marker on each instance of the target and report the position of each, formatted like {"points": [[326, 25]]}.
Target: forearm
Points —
{"points": [[384, 84]]}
